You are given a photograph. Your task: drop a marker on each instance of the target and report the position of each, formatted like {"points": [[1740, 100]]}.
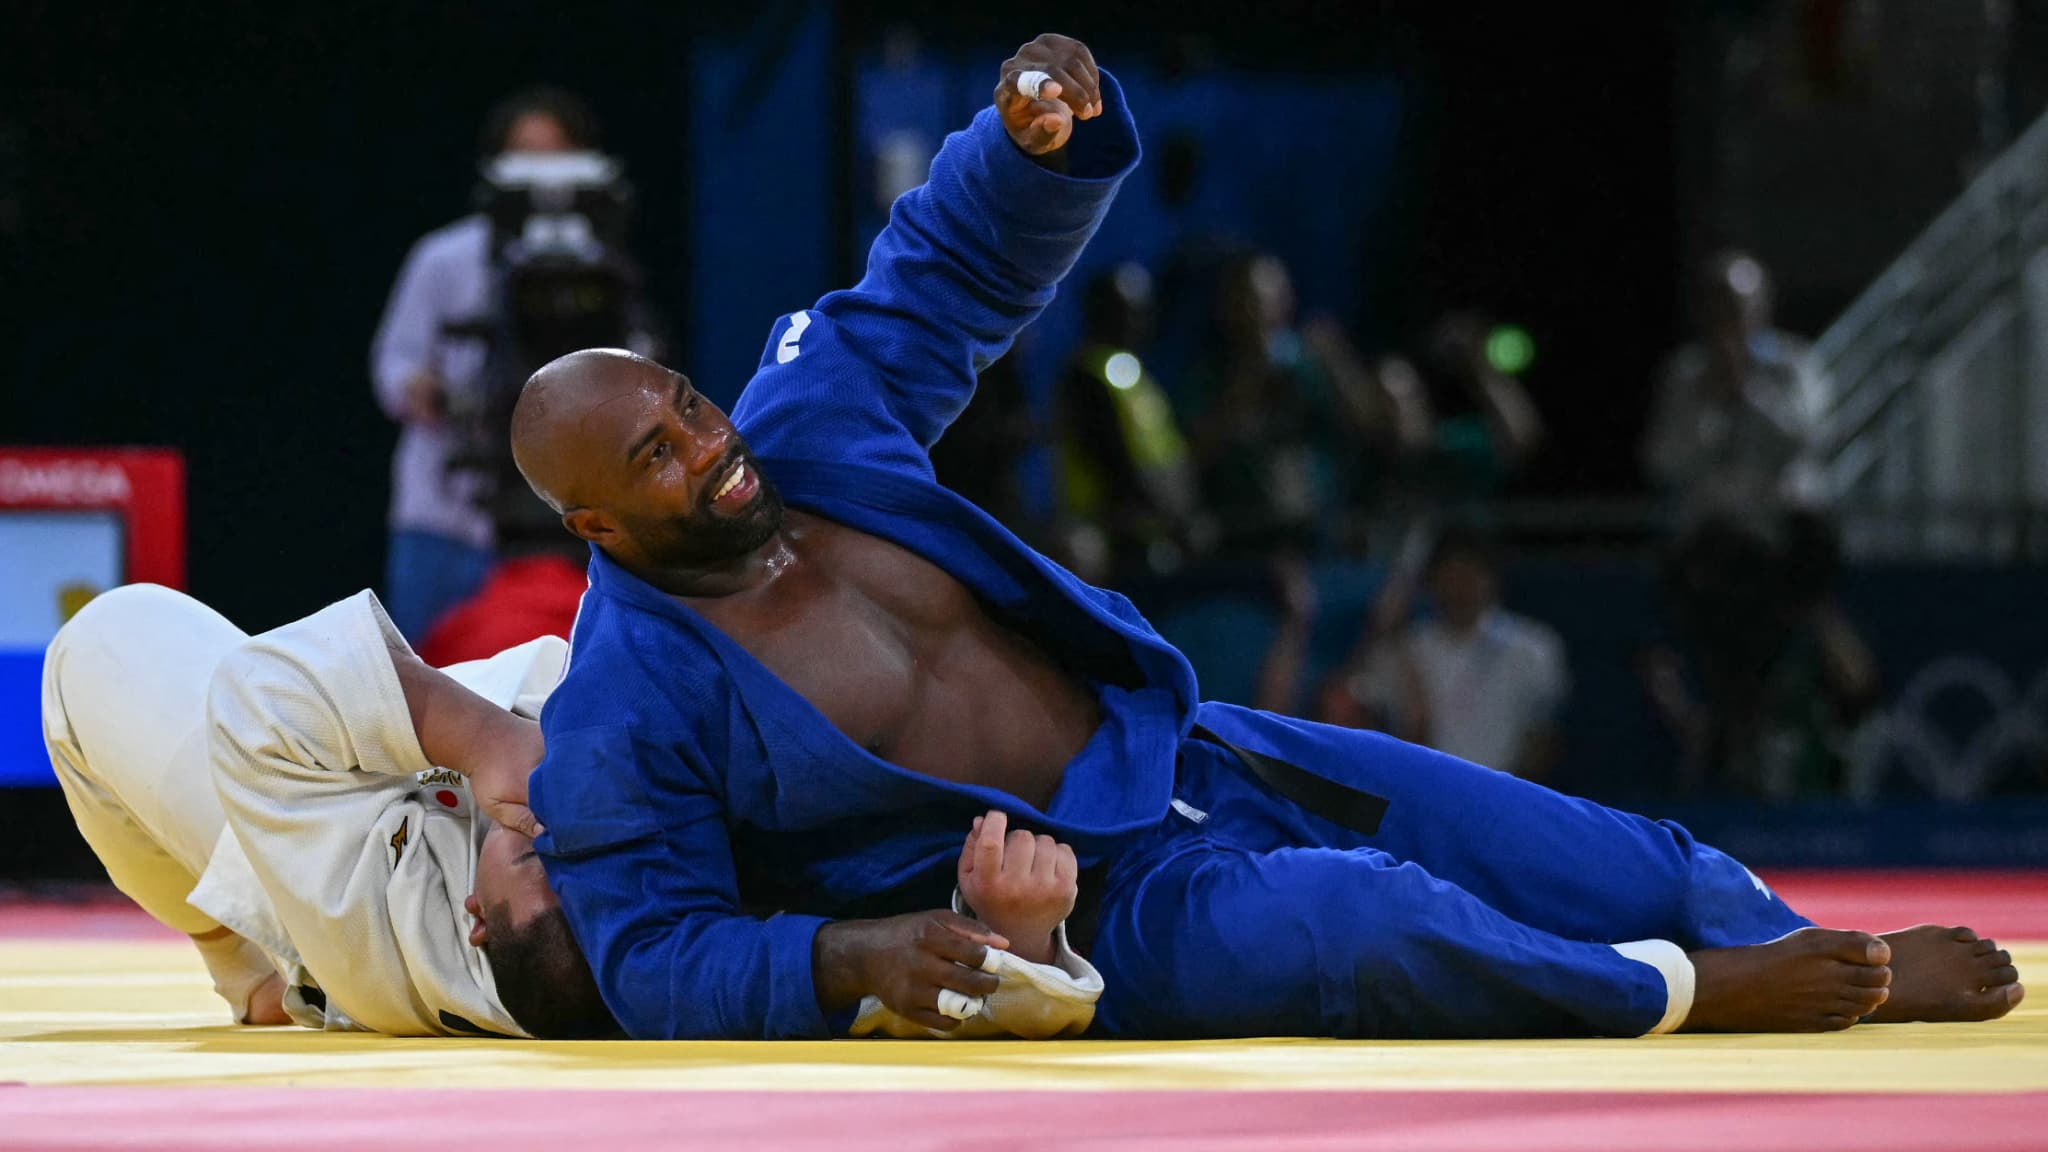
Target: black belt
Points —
{"points": [[1336, 802], [1339, 803], [1354, 808]]}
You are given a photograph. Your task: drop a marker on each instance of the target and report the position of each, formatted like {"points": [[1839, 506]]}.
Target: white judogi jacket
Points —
{"points": [[347, 856]]}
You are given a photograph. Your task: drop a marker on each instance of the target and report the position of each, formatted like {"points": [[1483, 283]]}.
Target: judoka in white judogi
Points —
{"points": [[292, 806]]}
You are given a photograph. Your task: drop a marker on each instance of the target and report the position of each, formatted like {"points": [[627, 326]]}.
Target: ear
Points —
{"points": [[589, 524]]}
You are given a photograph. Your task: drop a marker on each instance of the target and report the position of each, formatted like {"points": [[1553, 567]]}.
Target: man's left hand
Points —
{"points": [[1070, 88]]}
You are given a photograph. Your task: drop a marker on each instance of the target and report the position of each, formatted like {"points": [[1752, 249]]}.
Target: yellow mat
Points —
{"points": [[141, 1013]]}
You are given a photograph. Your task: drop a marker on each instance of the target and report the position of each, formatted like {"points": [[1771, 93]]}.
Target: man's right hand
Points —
{"points": [[904, 962], [1071, 90]]}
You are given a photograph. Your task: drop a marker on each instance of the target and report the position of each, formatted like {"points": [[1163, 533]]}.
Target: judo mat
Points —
{"points": [[111, 1037]]}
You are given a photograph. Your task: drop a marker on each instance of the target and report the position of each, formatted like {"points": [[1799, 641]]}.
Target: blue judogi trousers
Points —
{"points": [[1484, 905]]}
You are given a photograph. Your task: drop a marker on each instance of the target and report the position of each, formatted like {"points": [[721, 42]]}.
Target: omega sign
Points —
{"points": [[63, 483], [143, 487]]}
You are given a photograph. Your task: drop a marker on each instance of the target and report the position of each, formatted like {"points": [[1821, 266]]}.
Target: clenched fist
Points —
{"points": [[1020, 885], [1060, 84]]}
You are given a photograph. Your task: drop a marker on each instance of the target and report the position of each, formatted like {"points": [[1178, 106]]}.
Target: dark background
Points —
{"points": [[203, 206], [210, 202]]}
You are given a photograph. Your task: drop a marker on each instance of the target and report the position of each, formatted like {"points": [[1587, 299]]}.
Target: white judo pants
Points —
{"points": [[124, 718]]}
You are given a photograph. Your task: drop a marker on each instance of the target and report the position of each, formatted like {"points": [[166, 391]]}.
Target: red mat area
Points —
{"points": [[2006, 905], [97, 919], [313, 1120]]}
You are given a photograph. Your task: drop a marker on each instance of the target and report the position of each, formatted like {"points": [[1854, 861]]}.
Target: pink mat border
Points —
{"points": [[317, 1120]]}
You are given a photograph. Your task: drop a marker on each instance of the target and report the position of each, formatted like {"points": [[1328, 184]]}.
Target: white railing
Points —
{"points": [[1936, 440]]}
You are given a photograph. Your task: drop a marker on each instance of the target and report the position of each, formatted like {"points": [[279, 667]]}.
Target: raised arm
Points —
{"points": [[968, 259]]}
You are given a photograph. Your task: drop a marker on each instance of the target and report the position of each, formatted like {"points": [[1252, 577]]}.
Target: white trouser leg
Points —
{"points": [[124, 718]]}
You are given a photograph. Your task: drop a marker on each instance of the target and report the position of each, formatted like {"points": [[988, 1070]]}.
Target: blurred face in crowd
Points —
{"points": [[1464, 587], [1257, 301], [1120, 307], [538, 132], [1738, 296], [641, 465]]}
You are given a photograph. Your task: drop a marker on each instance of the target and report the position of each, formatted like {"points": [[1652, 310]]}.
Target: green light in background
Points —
{"points": [[1510, 349]]}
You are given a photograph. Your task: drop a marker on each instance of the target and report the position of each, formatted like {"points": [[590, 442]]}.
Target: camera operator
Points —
{"points": [[539, 270]]}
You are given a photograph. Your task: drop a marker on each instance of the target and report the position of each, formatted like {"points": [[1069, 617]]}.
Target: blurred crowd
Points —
{"points": [[1273, 449]]}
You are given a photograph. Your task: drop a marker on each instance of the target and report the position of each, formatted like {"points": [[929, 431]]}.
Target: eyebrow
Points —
{"points": [[654, 432]]}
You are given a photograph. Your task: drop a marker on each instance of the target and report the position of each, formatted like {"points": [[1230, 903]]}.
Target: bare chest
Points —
{"points": [[903, 660]]}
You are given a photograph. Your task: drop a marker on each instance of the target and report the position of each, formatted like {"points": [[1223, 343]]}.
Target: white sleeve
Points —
{"points": [[364, 849], [314, 759], [1031, 1002]]}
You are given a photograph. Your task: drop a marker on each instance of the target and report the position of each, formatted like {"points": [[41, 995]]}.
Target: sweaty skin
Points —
{"points": [[907, 663], [897, 654]]}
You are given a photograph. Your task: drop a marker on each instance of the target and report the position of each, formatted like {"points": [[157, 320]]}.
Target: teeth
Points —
{"points": [[731, 482]]}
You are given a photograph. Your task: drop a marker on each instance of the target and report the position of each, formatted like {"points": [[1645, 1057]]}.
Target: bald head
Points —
{"points": [[550, 421], [637, 463]]}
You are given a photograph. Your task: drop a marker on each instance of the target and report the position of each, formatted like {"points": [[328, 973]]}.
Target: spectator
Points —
{"points": [[1294, 440], [1475, 680], [1752, 561], [426, 353], [1126, 484], [1483, 426], [1295, 431], [1732, 433]]}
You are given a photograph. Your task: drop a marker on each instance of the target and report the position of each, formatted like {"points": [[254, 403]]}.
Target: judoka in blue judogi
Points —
{"points": [[1249, 874]]}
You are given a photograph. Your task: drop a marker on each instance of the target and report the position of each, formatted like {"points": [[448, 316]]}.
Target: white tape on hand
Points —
{"points": [[1028, 83], [957, 1007]]}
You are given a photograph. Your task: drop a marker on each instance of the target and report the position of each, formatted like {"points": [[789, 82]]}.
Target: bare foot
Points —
{"points": [[1943, 973], [1812, 980]]}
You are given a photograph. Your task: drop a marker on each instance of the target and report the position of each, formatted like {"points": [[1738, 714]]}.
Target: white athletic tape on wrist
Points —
{"points": [[1028, 83], [957, 1007]]}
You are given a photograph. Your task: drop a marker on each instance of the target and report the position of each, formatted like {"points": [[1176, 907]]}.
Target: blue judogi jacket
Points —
{"points": [[672, 753]]}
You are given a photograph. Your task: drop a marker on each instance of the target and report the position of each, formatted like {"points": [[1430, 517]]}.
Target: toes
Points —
{"points": [[1837, 1023], [1991, 1003], [1984, 948], [1867, 975], [2000, 977], [1863, 1001], [1962, 935], [1858, 948]]}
